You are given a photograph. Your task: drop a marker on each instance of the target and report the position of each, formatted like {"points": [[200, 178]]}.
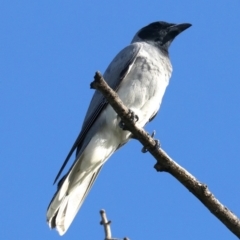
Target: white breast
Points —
{"points": [[143, 88]]}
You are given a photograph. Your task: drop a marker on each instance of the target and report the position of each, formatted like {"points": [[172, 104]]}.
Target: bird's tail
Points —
{"points": [[67, 201]]}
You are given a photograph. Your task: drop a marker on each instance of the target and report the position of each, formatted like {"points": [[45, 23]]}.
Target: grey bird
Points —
{"points": [[139, 74]]}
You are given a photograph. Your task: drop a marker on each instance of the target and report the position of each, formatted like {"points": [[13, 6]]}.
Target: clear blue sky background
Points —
{"points": [[49, 52]]}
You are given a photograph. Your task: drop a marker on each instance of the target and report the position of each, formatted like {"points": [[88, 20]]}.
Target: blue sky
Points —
{"points": [[49, 53]]}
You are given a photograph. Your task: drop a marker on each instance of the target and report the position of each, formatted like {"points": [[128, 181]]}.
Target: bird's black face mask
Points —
{"points": [[162, 33]]}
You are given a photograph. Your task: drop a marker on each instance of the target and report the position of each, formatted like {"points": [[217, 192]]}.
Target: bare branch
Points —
{"points": [[106, 225], [165, 163]]}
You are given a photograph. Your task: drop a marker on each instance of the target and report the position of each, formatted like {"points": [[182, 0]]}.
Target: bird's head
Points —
{"points": [[160, 34]]}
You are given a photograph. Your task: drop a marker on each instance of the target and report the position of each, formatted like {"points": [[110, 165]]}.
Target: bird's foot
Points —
{"points": [[157, 145], [134, 118]]}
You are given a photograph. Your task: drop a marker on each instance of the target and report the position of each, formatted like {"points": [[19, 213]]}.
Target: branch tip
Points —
{"points": [[102, 211]]}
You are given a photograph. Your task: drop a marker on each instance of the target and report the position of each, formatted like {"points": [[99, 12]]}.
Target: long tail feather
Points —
{"points": [[67, 201]]}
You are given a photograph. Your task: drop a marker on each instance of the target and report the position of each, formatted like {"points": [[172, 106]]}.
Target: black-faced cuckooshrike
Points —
{"points": [[139, 74]]}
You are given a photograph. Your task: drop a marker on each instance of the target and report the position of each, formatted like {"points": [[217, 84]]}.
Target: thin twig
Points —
{"points": [[165, 163], [106, 225]]}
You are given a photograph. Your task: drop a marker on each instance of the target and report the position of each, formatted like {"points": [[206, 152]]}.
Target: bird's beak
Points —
{"points": [[175, 30]]}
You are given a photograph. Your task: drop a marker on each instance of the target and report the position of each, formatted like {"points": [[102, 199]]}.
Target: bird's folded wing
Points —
{"points": [[115, 73]]}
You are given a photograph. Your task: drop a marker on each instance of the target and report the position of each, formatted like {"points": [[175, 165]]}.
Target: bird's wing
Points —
{"points": [[115, 73]]}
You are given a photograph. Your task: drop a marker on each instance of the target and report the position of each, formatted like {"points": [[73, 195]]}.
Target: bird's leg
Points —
{"points": [[157, 145], [134, 118]]}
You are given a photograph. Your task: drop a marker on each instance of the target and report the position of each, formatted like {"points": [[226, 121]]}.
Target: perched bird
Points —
{"points": [[139, 74]]}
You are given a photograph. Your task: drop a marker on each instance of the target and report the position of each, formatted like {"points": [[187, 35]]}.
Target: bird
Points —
{"points": [[139, 74]]}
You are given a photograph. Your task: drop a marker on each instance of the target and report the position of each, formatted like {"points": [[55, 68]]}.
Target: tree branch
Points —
{"points": [[106, 225], [165, 163]]}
